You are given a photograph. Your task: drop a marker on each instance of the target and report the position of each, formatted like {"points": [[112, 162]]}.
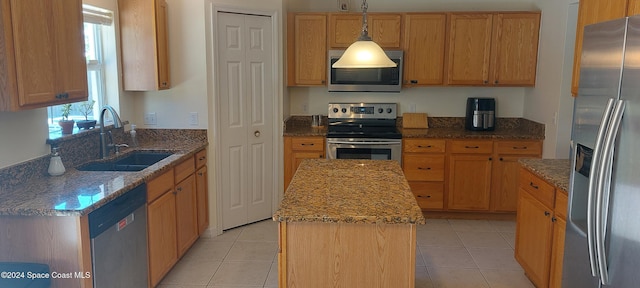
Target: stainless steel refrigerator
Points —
{"points": [[602, 243]]}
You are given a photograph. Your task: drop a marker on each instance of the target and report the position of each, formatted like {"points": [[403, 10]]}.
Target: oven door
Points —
{"points": [[364, 148]]}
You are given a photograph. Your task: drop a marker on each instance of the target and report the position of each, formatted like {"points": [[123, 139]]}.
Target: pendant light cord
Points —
{"points": [[365, 27]]}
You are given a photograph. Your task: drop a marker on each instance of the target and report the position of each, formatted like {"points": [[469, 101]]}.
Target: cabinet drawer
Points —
{"points": [[519, 147], [540, 189], [184, 169], [424, 167], [307, 143], [156, 187], [429, 195], [562, 203], [201, 158], [475, 147], [423, 146]]}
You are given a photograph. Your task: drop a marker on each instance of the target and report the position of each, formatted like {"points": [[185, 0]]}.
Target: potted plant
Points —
{"points": [[65, 123], [86, 108]]}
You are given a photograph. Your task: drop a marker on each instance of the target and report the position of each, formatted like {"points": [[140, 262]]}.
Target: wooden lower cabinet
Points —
{"points": [[430, 195], [297, 149], [186, 214], [317, 254], [540, 230], [557, 253], [466, 175], [534, 230], [176, 214], [162, 241], [202, 191], [469, 182]]}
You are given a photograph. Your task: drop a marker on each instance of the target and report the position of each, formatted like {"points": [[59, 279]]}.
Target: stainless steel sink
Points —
{"points": [[134, 161]]}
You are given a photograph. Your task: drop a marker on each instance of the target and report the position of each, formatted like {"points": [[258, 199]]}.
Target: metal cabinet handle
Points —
{"points": [[420, 196], [307, 144], [472, 147], [534, 186], [179, 189], [428, 146], [519, 147], [547, 213], [256, 133], [202, 158], [427, 168]]}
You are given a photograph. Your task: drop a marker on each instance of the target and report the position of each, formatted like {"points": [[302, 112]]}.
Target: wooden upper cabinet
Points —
{"points": [[515, 49], [424, 47], [144, 41], [469, 48], [42, 62], [307, 49], [497, 49], [384, 29], [590, 12]]}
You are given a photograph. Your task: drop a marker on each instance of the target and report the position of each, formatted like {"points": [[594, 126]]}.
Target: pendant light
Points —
{"points": [[364, 53]]}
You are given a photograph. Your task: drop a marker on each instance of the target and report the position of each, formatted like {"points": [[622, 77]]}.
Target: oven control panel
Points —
{"points": [[362, 110]]}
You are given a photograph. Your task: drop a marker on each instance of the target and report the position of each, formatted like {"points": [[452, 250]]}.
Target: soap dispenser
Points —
{"points": [[134, 140], [56, 167]]}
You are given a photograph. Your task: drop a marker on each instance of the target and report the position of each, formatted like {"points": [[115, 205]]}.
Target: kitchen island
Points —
{"points": [[348, 223]]}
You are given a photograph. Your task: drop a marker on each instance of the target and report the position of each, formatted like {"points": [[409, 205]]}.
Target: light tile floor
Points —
{"points": [[450, 253]]}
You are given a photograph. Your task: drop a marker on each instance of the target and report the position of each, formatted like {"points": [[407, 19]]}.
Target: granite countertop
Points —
{"points": [[77, 192], [349, 191], [439, 127], [554, 171]]}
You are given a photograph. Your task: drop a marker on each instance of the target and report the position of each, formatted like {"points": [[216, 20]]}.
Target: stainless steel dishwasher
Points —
{"points": [[118, 233]]}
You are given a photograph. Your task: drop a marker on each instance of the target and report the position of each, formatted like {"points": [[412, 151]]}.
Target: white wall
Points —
{"points": [[435, 101], [550, 102]]}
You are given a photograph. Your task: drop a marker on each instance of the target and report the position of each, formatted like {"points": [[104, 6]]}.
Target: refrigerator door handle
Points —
{"points": [[604, 190], [591, 198]]}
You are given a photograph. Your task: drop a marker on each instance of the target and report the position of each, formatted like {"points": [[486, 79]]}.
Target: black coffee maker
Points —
{"points": [[481, 114]]}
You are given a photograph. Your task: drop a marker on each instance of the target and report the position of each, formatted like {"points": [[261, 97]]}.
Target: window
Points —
{"points": [[98, 34]]}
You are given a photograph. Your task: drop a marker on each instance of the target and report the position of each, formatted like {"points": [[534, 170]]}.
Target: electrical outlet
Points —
{"points": [[412, 108], [150, 118], [193, 118], [343, 5], [305, 108]]}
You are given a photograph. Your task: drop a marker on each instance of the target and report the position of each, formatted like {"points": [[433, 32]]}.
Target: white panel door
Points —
{"points": [[246, 121]]}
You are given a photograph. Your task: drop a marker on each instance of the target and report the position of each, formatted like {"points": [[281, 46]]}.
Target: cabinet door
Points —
{"points": [[469, 182], [310, 50], [469, 48], [163, 45], [202, 195], [161, 230], [504, 185], [515, 49], [48, 39], [557, 253], [344, 29], [424, 42], [384, 29], [186, 214], [590, 12], [144, 59], [533, 238]]}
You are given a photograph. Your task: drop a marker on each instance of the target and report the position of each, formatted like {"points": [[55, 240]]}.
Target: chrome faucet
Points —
{"points": [[104, 147]]}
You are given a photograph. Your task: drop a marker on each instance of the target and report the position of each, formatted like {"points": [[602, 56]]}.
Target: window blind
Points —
{"points": [[97, 15]]}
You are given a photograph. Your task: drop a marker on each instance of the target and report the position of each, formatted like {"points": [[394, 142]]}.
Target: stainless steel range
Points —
{"points": [[363, 131]]}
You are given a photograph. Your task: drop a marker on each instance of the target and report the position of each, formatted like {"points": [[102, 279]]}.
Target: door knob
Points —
{"points": [[257, 133]]}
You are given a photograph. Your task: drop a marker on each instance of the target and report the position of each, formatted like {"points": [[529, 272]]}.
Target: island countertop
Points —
{"points": [[349, 191]]}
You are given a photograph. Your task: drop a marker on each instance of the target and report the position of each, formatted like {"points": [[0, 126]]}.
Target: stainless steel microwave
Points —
{"points": [[365, 79]]}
